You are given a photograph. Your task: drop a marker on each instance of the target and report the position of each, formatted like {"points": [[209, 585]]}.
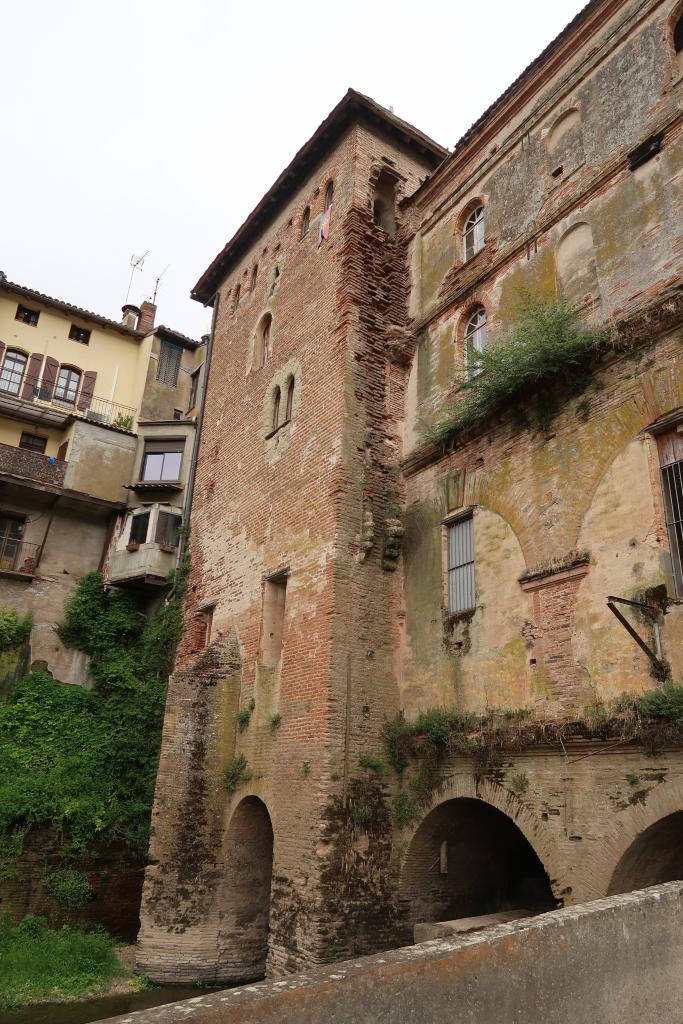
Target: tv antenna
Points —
{"points": [[136, 263], [156, 283]]}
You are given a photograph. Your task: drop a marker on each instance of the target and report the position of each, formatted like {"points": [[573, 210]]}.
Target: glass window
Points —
{"points": [[162, 464], [67, 385], [168, 527], [27, 316], [473, 232], [138, 528], [476, 339], [12, 372], [80, 334], [461, 596], [33, 442]]}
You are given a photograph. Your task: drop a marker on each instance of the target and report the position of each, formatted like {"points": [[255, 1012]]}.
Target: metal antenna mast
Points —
{"points": [[156, 283], [136, 263]]}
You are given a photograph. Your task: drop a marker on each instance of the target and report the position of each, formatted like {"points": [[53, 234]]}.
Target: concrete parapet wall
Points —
{"points": [[616, 960]]}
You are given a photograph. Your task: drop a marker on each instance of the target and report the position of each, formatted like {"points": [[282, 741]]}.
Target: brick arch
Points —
{"points": [[534, 831], [486, 490], [592, 880]]}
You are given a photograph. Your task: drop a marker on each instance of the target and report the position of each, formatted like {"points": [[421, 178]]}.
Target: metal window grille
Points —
{"points": [[672, 486], [461, 597], [169, 363]]}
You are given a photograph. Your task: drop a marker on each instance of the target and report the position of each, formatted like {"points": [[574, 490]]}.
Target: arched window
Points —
{"points": [[678, 42], [67, 385], [254, 275], [473, 232], [564, 145], [290, 399], [262, 341], [476, 339], [305, 221], [276, 408], [12, 373], [236, 297], [329, 194]]}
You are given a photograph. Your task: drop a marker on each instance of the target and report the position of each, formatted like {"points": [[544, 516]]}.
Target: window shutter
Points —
{"points": [[62, 450], [174, 444], [47, 386], [87, 390], [32, 376], [168, 366]]}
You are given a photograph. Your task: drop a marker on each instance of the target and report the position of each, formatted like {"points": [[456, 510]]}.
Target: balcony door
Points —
{"points": [[11, 531]]}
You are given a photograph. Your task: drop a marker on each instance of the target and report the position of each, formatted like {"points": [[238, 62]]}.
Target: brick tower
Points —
{"points": [[286, 668]]}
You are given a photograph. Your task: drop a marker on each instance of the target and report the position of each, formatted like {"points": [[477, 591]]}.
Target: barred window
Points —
{"points": [[461, 597], [168, 366], [672, 485]]}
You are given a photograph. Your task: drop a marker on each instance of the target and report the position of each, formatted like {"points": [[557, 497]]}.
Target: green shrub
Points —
{"points": [[39, 964], [665, 702], [546, 342], [275, 722], [405, 809], [370, 762], [14, 629], [519, 783], [243, 719], [362, 815], [85, 761], [236, 771], [71, 888]]}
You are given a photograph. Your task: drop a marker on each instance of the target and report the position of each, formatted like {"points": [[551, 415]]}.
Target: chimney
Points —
{"points": [[130, 315], [147, 313]]}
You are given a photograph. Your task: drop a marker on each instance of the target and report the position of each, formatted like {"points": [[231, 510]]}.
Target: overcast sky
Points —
{"points": [[158, 125]]}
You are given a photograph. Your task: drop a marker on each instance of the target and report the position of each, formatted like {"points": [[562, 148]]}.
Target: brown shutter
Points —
{"points": [[61, 451], [32, 376], [47, 385], [87, 390], [2, 350]]}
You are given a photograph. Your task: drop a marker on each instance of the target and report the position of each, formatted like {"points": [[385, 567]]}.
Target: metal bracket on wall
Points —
{"points": [[654, 656]]}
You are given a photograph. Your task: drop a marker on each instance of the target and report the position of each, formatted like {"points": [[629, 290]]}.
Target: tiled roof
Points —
{"points": [[66, 307]]}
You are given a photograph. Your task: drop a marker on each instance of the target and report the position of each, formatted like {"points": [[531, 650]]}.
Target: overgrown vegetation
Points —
{"points": [[84, 762], [236, 771], [14, 629], [548, 348], [39, 964], [70, 887], [653, 720], [370, 762], [243, 719], [275, 722]]}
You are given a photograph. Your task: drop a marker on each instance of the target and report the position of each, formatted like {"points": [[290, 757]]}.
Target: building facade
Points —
{"points": [[96, 433], [353, 560]]}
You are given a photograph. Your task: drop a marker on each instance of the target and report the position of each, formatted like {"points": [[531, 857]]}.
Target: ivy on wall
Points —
{"points": [[84, 762]]}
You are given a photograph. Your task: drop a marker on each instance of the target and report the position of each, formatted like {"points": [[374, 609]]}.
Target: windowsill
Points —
{"points": [[278, 428]]}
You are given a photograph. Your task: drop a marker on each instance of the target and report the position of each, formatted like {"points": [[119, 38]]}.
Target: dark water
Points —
{"points": [[97, 1009]]}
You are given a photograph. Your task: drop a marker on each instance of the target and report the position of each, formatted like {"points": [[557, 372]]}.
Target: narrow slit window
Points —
{"points": [[290, 399], [329, 194], [272, 629], [254, 275], [276, 409], [305, 222], [461, 596], [672, 486]]}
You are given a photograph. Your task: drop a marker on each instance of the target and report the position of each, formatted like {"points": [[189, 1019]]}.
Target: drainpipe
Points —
{"points": [[189, 494]]}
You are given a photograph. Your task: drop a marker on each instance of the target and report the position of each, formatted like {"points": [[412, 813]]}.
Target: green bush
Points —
{"points": [[71, 888], [405, 809], [370, 762], [14, 629], [243, 719], [665, 702], [39, 964], [546, 343], [236, 771], [275, 722], [362, 815], [85, 761]]}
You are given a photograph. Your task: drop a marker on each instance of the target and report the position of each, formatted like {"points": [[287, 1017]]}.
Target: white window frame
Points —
{"points": [[473, 232]]}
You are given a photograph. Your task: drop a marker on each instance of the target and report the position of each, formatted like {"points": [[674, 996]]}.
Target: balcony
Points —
{"points": [[18, 556], [28, 399], [30, 465], [142, 563]]}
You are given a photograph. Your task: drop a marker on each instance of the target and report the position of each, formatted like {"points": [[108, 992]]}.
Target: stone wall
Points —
{"points": [[616, 961]]}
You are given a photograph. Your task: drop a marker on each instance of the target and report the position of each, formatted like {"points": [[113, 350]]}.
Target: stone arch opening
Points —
{"points": [[655, 857], [466, 859], [246, 897]]}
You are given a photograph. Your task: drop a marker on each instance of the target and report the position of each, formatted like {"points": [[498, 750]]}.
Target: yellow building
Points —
{"points": [[97, 429]]}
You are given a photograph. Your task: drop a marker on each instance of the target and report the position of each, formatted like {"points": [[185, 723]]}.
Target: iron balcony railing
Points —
{"points": [[18, 555], [79, 403]]}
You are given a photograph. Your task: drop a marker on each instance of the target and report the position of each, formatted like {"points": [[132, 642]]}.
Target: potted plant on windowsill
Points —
{"points": [[133, 546], [168, 548]]}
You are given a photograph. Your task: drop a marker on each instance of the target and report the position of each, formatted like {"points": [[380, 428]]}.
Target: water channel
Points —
{"points": [[97, 1009]]}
